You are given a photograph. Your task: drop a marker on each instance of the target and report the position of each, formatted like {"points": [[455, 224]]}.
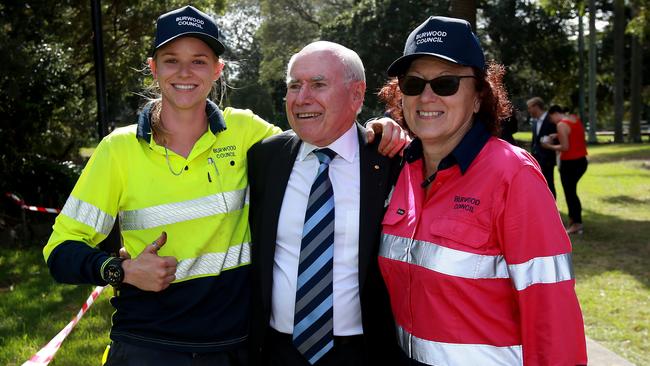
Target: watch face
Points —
{"points": [[114, 274]]}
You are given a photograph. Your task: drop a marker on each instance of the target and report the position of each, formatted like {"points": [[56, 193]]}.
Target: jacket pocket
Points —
{"points": [[393, 216], [461, 232]]}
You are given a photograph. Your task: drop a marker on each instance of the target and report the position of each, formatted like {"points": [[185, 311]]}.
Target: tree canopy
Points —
{"points": [[47, 91]]}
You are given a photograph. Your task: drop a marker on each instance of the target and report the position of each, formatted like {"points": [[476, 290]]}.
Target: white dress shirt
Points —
{"points": [[344, 174]]}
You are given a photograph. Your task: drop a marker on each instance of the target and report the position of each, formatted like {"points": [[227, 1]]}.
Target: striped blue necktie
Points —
{"points": [[313, 321]]}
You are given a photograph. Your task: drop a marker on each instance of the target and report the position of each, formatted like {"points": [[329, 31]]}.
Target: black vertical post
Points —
{"points": [[112, 243], [100, 80]]}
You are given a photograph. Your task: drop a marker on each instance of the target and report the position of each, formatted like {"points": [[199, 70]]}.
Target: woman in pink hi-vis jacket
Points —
{"points": [[474, 254]]}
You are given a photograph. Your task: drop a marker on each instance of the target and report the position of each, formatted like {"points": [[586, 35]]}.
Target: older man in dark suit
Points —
{"points": [[317, 197], [542, 128]]}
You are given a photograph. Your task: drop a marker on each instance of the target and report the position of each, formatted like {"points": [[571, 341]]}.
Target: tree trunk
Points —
{"points": [[592, 72], [635, 91], [464, 9], [619, 68]]}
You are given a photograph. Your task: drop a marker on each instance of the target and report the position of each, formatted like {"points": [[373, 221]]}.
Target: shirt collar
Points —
{"points": [[215, 119], [346, 146], [463, 154], [542, 117]]}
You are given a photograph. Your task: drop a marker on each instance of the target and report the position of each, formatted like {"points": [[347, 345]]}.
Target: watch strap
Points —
{"points": [[103, 266]]}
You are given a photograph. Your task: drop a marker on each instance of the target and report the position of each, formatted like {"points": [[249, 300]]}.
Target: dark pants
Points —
{"points": [[124, 354], [570, 173], [280, 351], [547, 171]]}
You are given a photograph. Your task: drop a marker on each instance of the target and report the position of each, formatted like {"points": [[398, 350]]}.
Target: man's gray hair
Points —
{"points": [[536, 101], [354, 70]]}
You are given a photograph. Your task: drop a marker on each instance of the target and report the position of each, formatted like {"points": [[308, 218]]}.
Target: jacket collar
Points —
{"points": [[215, 119], [463, 154]]}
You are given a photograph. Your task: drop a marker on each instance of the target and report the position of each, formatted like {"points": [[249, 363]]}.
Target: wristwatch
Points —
{"points": [[112, 271]]}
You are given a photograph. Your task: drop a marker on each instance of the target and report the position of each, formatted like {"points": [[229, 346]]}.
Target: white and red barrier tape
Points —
{"points": [[24, 206], [46, 354]]}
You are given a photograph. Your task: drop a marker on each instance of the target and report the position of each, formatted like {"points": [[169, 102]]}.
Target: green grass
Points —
{"points": [[33, 310], [611, 259], [602, 139]]}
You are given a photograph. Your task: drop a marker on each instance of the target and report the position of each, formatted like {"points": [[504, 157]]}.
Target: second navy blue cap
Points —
{"points": [[191, 22], [450, 39]]}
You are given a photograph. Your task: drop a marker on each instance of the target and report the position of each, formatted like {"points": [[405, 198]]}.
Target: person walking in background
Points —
{"points": [[474, 254], [573, 161], [542, 127], [181, 170], [317, 199]]}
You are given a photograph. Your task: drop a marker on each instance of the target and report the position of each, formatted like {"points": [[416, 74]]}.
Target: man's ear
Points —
{"points": [[359, 91], [152, 67]]}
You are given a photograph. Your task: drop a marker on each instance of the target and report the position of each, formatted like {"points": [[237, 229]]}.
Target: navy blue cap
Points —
{"points": [[450, 39], [191, 22]]}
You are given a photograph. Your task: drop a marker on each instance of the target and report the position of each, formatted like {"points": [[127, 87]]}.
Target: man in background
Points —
{"points": [[542, 127]]}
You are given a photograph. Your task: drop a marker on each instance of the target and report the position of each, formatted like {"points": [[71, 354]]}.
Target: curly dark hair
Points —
{"points": [[391, 96], [495, 105]]}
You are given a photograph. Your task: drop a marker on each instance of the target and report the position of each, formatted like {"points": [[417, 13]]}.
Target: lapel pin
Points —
{"points": [[376, 167]]}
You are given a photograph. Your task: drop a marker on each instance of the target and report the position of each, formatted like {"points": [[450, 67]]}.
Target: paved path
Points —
{"points": [[601, 356]]}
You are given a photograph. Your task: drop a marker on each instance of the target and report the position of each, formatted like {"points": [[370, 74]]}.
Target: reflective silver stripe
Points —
{"points": [[442, 259], [457, 354], [551, 269], [171, 213], [88, 214], [457, 263], [214, 263]]}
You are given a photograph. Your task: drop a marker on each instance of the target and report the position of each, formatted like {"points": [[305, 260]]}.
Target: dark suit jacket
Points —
{"points": [[269, 166], [544, 156]]}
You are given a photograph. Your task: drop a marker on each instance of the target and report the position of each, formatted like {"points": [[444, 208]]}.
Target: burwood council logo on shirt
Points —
{"points": [[466, 203], [224, 151]]}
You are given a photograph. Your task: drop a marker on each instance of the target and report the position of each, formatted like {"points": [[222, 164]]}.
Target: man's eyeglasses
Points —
{"points": [[443, 86]]}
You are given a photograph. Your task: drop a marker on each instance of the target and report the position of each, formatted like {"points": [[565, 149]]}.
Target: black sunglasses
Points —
{"points": [[442, 85]]}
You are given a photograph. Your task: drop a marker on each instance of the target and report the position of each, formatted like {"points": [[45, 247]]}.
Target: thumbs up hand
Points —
{"points": [[149, 271]]}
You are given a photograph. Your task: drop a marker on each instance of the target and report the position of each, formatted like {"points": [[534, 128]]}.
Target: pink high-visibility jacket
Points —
{"points": [[479, 271]]}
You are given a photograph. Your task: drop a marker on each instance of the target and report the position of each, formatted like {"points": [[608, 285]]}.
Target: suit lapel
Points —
{"points": [[280, 165], [373, 171], [544, 126]]}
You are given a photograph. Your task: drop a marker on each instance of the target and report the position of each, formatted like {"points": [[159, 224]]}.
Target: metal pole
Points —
{"points": [[100, 79], [112, 243]]}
